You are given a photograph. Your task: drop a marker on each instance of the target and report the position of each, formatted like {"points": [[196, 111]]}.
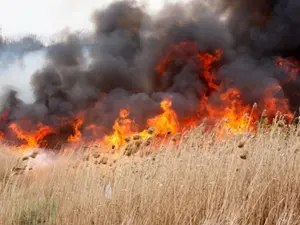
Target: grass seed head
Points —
{"points": [[85, 147], [104, 160], [138, 143], [86, 157], [151, 130], [96, 155], [137, 137], [244, 156], [242, 144], [148, 141], [25, 158], [128, 139], [34, 155], [176, 137], [281, 123]]}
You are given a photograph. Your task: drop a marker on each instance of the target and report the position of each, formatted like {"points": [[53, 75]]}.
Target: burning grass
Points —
{"points": [[194, 179]]}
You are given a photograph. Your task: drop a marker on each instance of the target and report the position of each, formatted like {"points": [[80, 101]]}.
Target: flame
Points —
{"points": [[290, 66], [274, 104], [1, 136], [77, 134], [166, 122], [188, 50], [235, 111], [231, 109], [31, 139], [122, 128], [218, 103], [207, 61]]}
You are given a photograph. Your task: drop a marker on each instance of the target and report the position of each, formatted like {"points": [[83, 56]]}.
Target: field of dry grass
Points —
{"points": [[244, 179]]}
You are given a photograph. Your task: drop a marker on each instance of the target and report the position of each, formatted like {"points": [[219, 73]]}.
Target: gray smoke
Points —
{"points": [[119, 70]]}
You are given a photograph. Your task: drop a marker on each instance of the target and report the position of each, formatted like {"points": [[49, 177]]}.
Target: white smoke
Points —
{"points": [[17, 74]]}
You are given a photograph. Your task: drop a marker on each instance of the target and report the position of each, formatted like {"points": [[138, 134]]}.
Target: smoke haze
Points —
{"points": [[135, 60]]}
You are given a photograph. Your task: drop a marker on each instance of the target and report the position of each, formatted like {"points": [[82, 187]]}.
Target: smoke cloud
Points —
{"points": [[116, 67]]}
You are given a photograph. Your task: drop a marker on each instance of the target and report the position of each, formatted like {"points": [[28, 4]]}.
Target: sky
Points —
{"points": [[48, 17], [45, 18]]}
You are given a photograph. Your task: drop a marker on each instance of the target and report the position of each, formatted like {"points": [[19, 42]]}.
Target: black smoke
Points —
{"points": [[116, 69]]}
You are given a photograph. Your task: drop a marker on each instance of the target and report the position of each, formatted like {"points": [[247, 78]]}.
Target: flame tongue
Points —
{"points": [[167, 122], [123, 127], [217, 102], [188, 51], [77, 134], [31, 139]]}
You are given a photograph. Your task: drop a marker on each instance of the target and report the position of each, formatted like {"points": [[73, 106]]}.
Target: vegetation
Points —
{"points": [[204, 179]]}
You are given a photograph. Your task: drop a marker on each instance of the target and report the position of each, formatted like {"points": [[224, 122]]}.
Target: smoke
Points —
{"points": [[267, 26], [116, 67], [19, 59], [18, 73]]}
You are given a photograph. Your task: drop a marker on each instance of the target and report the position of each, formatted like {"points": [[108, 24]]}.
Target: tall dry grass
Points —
{"points": [[242, 179]]}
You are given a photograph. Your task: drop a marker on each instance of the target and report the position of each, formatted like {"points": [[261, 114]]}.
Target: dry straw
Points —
{"points": [[244, 179]]}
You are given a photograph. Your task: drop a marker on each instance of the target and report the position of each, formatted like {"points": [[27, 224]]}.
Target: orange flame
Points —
{"points": [[77, 134], [32, 139], [167, 121], [123, 127], [207, 61], [188, 50], [273, 104], [235, 111], [231, 109], [1, 136], [217, 104]]}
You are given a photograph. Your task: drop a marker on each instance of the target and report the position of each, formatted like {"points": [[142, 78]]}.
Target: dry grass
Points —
{"points": [[240, 180]]}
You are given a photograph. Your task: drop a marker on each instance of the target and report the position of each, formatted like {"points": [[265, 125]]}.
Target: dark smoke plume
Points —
{"points": [[128, 44]]}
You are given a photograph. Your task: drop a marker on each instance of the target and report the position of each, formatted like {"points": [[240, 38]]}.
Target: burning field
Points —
{"points": [[188, 116], [165, 74]]}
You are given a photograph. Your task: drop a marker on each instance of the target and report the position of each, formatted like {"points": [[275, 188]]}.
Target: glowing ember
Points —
{"points": [[1, 135], [291, 66]]}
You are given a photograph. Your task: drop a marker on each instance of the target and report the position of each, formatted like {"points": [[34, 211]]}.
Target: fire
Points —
{"points": [[231, 109], [1, 135], [77, 134], [274, 104], [122, 128], [167, 121], [188, 51], [31, 139], [291, 66], [235, 111], [207, 61], [217, 103]]}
